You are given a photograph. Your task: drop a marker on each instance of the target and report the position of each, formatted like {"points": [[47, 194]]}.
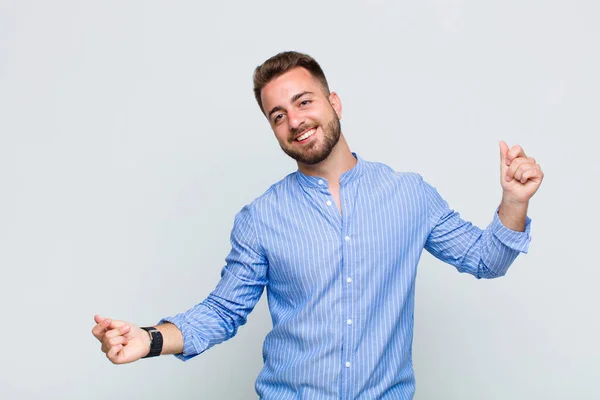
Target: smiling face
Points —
{"points": [[305, 120]]}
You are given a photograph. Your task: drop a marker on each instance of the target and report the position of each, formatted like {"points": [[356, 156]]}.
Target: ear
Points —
{"points": [[336, 103]]}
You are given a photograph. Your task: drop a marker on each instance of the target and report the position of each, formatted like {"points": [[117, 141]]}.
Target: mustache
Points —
{"points": [[303, 127]]}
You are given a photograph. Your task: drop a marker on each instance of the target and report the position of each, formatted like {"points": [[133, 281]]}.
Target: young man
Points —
{"points": [[336, 244]]}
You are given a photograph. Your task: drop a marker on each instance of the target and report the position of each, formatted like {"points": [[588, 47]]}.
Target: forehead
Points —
{"points": [[281, 89]]}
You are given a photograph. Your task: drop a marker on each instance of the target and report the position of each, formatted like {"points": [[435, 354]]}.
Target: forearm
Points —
{"points": [[513, 214], [483, 253], [172, 338], [210, 322]]}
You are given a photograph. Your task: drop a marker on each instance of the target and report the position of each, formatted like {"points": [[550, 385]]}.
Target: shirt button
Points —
{"points": [[349, 322], [328, 202], [320, 182], [347, 364], [347, 238], [349, 280]]}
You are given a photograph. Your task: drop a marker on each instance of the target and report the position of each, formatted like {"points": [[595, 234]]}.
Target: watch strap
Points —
{"points": [[156, 341]]}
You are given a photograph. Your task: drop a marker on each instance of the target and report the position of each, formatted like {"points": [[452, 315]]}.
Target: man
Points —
{"points": [[336, 244]]}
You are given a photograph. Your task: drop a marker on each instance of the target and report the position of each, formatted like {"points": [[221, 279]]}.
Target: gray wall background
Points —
{"points": [[129, 139]]}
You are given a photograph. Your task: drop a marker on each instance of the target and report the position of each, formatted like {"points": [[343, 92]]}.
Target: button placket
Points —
{"points": [[347, 321]]}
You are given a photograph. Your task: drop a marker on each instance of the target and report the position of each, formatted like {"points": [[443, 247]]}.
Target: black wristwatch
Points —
{"points": [[156, 341]]}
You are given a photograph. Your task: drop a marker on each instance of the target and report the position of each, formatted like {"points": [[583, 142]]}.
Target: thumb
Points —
{"points": [[503, 153], [115, 324], [109, 323]]}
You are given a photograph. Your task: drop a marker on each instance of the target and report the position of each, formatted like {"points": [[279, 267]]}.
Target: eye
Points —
{"points": [[277, 118], [305, 103]]}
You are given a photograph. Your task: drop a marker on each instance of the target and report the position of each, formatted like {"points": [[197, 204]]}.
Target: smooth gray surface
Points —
{"points": [[129, 139]]}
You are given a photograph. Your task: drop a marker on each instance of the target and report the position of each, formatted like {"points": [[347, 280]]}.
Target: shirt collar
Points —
{"points": [[348, 176]]}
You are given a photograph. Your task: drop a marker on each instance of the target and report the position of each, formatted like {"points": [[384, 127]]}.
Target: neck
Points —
{"points": [[339, 161]]}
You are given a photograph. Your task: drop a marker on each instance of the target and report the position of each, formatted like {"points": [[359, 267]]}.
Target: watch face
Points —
{"points": [[152, 332]]}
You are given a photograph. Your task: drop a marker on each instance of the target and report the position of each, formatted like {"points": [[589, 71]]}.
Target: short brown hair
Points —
{"points": [[282, 63]]}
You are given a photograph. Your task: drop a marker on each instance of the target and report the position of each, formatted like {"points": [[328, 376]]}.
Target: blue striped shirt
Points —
{"points": [[340, 286]]}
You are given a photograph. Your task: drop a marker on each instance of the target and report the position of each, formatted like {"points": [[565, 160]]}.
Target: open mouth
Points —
{"points": [[306, 135]]}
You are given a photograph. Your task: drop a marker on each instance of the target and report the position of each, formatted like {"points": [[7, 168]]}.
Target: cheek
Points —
{"points": [[280, 134], [322, 117]]}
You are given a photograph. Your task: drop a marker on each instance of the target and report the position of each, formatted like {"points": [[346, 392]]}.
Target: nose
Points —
{"points": [[295, 120]]}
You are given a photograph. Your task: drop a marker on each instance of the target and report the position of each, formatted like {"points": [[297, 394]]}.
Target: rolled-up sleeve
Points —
{"points": [[243, 279], [482, 253]]}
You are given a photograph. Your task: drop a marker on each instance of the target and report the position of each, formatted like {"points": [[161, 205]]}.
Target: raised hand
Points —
{"points": [[520, 176], [122, 342]]}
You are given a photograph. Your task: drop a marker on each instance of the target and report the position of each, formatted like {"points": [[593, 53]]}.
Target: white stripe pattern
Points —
{"points": [[340, 286]]}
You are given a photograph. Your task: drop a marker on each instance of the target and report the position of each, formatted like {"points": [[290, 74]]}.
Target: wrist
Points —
{"points": [[513, 203], [513, 214]]}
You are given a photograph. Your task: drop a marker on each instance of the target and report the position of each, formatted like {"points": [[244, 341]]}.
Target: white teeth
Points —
{"points": [[306, 134]]}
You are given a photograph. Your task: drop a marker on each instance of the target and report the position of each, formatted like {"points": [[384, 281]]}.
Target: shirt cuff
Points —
{"points": [[192, 344], [518, 241]]}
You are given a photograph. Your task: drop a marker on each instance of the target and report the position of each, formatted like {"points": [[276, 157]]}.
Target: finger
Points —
{"points": [[503, 153], [534, 174], [100, 329], [515, 152], [114, 324], [522, 169], [514, 165], [113, 353], [521, 164], [117, 340], [105, 346], [124, 329], [109, 342], [98, 318]]}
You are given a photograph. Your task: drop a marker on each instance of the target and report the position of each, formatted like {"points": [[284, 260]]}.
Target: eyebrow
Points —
{"points": [[275, 109], [294, 98], [297, 96]]}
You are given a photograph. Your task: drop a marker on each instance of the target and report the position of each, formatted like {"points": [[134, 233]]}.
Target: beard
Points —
{"points": [[315, 152]]}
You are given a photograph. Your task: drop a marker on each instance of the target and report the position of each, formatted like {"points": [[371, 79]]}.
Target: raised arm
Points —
{"points": [[486, 253]]}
